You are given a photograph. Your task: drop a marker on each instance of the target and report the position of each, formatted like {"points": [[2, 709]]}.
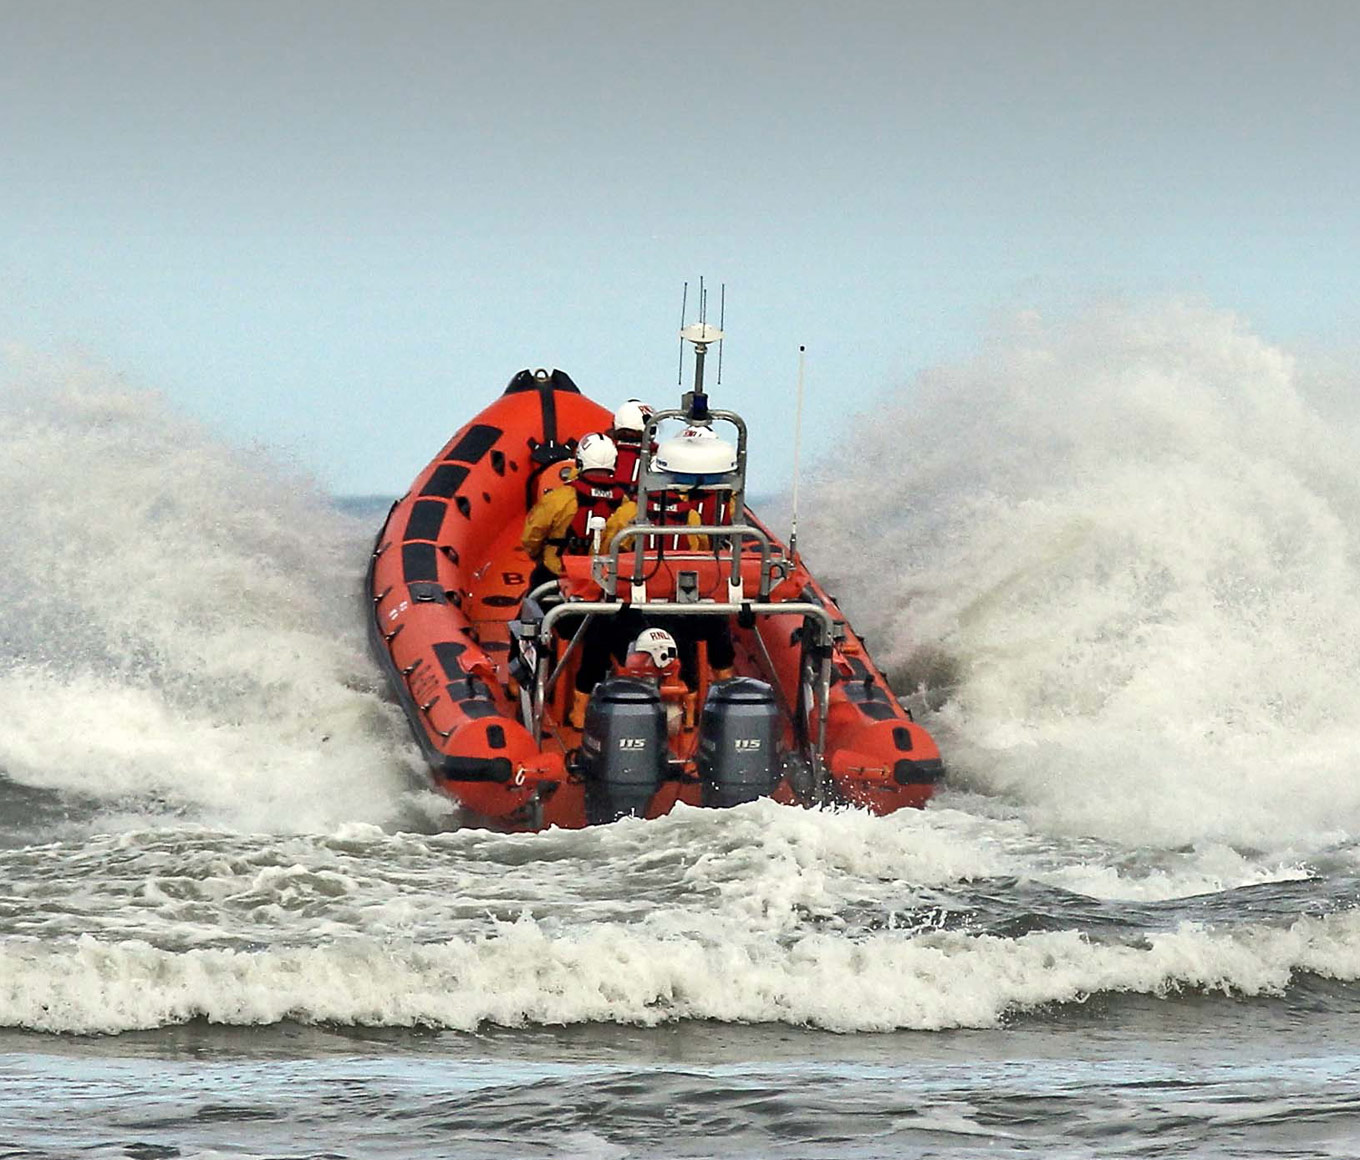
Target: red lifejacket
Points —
{"points": [[594, 497], [712, 506], [630, 455], [626, 466], [670, 508]]}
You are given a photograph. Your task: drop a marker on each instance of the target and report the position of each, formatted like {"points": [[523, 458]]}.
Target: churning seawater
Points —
{"points": [[1114, 560]]}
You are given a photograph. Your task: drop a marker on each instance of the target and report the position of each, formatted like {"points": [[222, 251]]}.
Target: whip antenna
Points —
{"points": [[722, 324], [684, 302], [797, 451]]}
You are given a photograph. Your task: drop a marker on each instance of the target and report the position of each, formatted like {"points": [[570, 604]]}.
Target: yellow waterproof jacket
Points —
{"points": [[622, 517], [550, 520], [625, 515]]}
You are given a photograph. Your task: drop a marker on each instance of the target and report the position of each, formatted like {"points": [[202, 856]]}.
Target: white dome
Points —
{"points": [[695, 451]]}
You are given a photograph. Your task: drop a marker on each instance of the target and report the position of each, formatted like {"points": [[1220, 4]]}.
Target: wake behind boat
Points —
{"points": [[486, 665]]}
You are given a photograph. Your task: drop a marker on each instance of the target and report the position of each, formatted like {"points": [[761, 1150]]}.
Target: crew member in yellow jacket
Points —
{"points": [[559, 525]]}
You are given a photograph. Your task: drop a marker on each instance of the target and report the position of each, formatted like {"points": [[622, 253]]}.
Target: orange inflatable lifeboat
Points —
{"points": [[484, 668]]}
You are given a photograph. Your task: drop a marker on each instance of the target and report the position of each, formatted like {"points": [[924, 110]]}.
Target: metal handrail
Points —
{"points": [[567, 653], [610, 581], [672, 608], [544, 589], [605, 569]]}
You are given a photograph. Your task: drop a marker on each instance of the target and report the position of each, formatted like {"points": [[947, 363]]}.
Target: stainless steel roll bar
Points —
{"points": [[609, 577], [732, 483], [549, 588]]}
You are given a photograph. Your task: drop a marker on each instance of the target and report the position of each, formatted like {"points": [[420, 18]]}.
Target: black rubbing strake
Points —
{"points": [[475, 768], [447, 654], [476, 441], [524, 381], [927, 772], [427, 517], [447, 478], [861, 691], [475, 707], [418, 562]]}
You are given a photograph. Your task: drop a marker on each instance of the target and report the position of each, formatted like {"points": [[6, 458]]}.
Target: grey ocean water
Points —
{"points": [[1114, 563]]}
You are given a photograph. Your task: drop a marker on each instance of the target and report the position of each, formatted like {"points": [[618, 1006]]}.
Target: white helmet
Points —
{"points": [[596, 452], [696, 455], [658, 644], [632, 416]]}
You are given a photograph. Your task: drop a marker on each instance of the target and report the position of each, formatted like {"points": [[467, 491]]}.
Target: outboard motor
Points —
{"points": [[738, 749], [623, 749]]}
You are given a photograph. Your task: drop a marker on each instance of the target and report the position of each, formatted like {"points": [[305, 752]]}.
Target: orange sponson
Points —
{"points": [[447, 577]]}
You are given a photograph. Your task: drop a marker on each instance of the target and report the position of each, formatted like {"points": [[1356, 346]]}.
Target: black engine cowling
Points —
{"points": [[623, 749], [739, 758]]}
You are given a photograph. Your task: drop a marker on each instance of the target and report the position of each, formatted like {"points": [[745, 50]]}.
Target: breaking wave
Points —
{"points": [[1123, 549], [617, 974], [758, 914], [179, 631]]}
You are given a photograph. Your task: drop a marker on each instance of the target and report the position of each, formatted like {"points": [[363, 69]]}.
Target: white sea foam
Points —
{"points": [[178, 619], [607, 972], [1128, 547], [761, 913]]}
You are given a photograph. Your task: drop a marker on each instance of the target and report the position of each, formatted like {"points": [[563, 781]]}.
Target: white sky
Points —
{"points": [[340, 227]]}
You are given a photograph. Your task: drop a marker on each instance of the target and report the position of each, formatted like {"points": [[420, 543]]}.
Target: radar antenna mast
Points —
{"points": [[703, 335]]}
